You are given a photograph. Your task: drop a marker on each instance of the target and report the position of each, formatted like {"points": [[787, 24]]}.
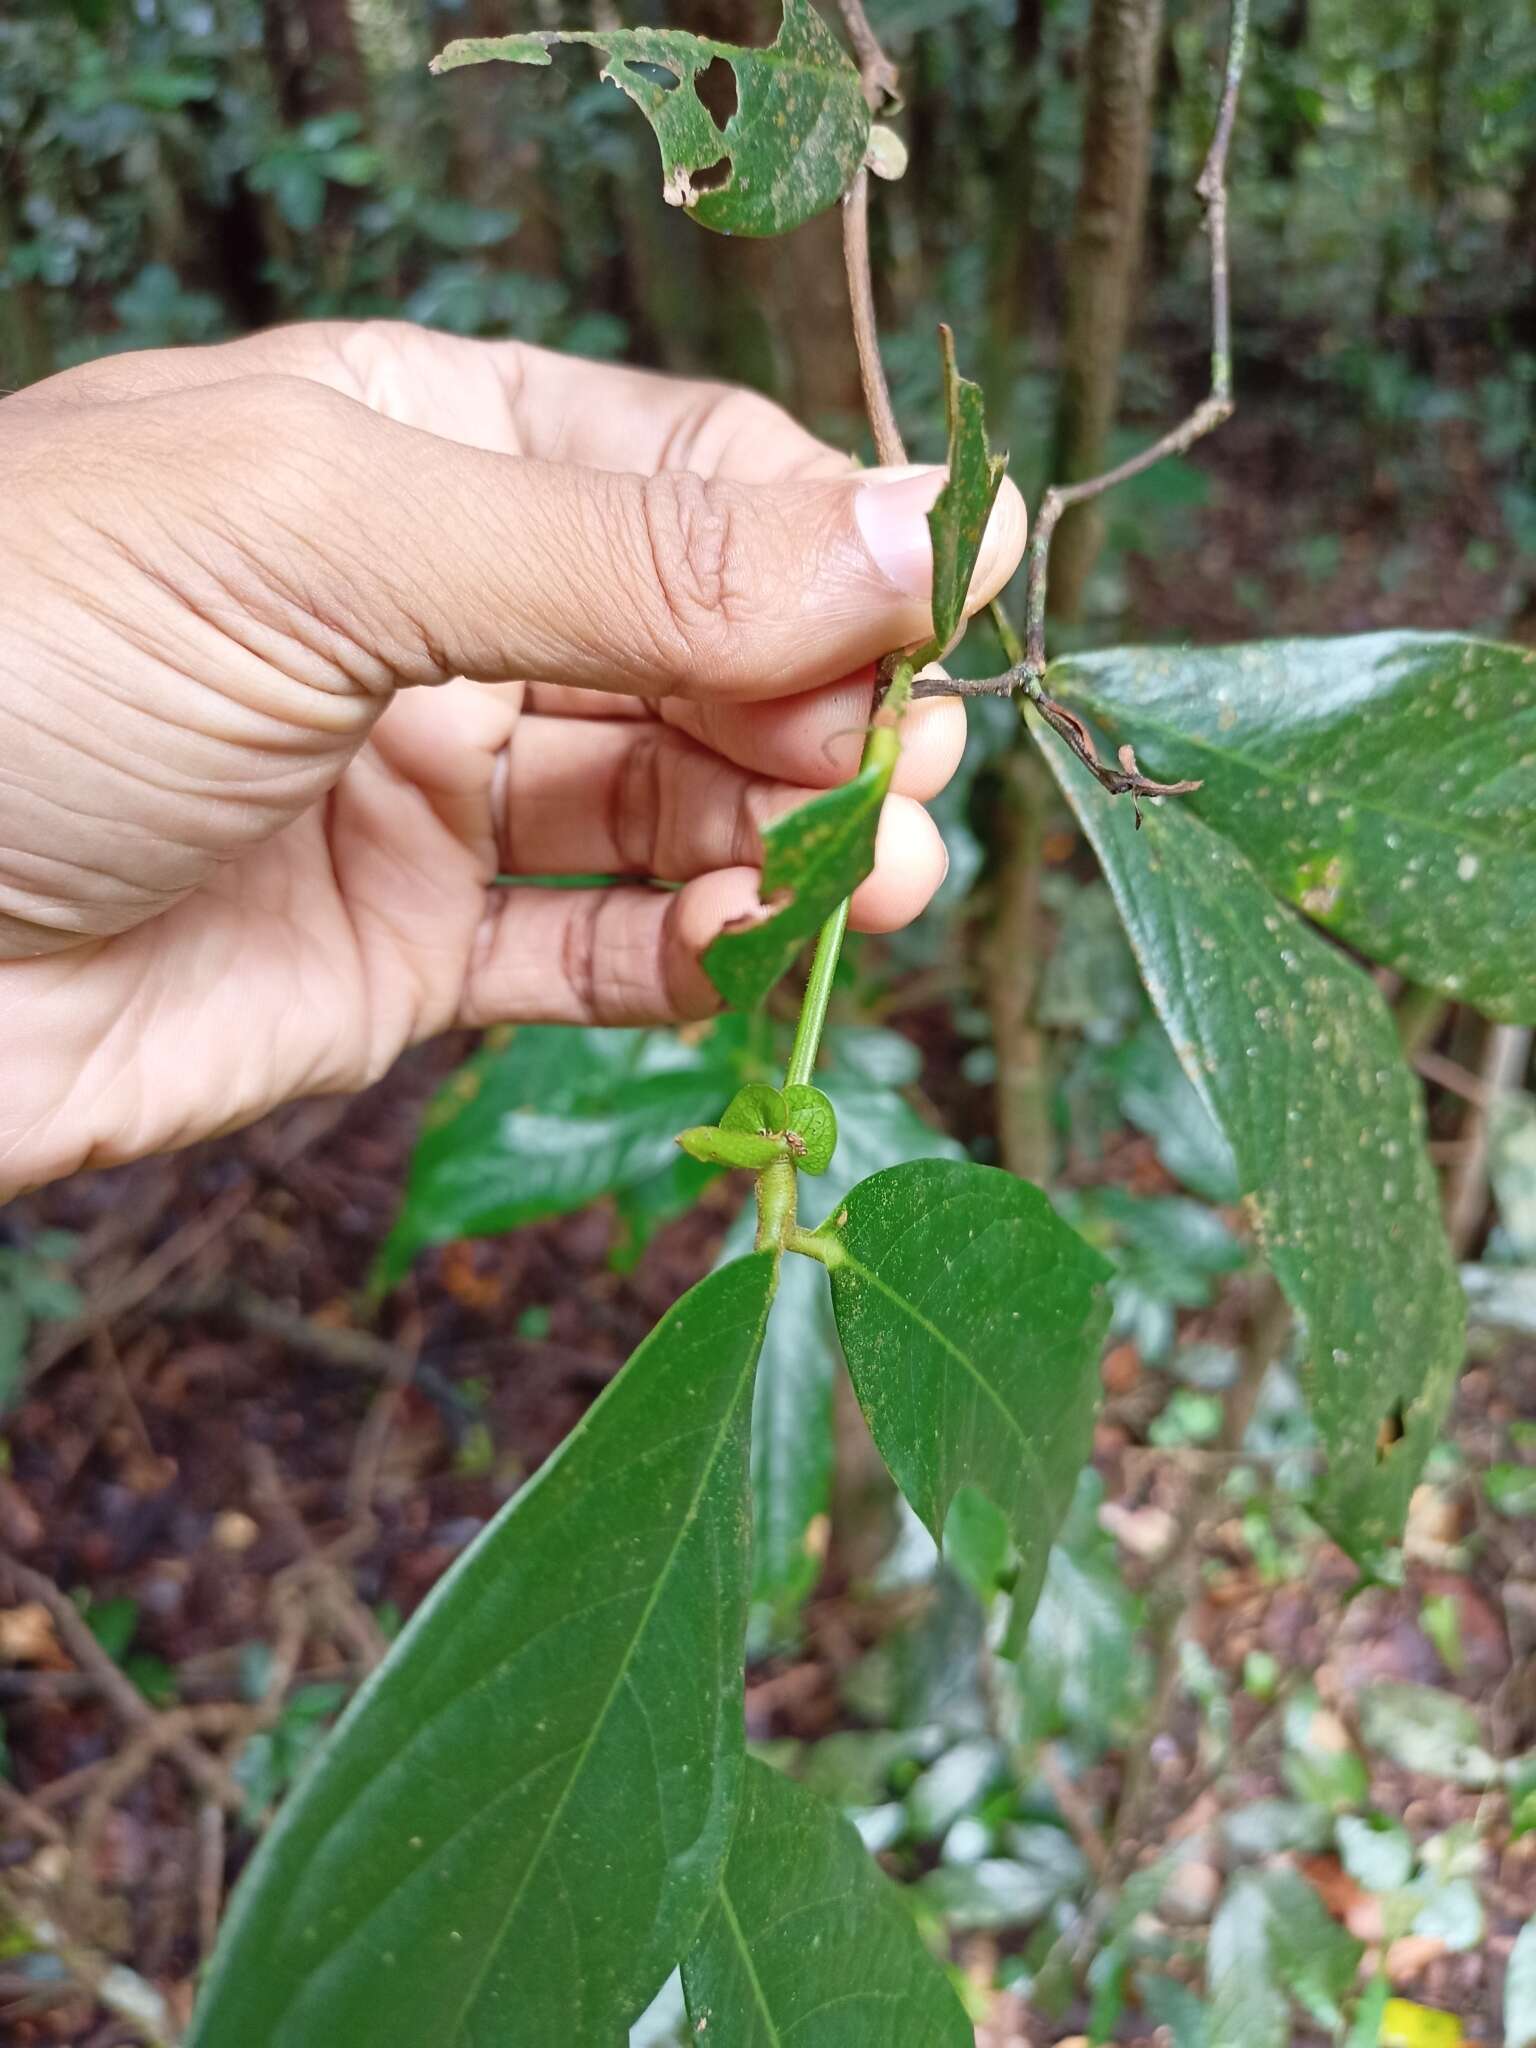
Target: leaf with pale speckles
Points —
{"points": [[519, 1826], [1386, 784], [1294, 1054], [971, 1317], [790, 149], [812, 858], [810, 1942]]}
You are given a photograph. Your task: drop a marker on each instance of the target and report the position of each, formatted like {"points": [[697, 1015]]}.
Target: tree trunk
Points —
{"points": [[1105, 258]]}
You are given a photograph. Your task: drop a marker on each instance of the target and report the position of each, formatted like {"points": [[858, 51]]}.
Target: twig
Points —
{"points": [[122, 1991], [119, 1691], [881, 80], [889, 445], [1028, 673], [1505, 1057]]}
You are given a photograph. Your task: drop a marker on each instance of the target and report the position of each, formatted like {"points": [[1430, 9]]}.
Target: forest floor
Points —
{"points": [[246, 1485]]}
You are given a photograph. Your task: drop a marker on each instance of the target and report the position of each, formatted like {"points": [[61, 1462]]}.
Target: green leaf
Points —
{"points": [[809, 1942], [521, 1820], [1294, 1053], [813, 1120], [1377, 1853], [1008, 1891], [959, 516], [971, 1316], [1312, 1956], [1511, 1489], [1247, 2007], [757, 1107], [1426, 1730], [1385, 783], [716, 1147], [1076, 1668], [1520, 1990], [812, 858], [792, 1402], [792, 147], [549, 1120]]}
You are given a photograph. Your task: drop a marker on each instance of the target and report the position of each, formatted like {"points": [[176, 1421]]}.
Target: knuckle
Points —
{"points": [[689, 535], [637, 795], [580, 953]]}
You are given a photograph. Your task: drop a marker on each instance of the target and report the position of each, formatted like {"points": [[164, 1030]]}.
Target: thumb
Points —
{"points": [[438, 559]]}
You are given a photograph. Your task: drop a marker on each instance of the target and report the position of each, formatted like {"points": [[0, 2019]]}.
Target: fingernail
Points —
{"points": [[893, 517]]}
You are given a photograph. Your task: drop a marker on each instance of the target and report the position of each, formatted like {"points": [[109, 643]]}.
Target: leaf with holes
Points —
{"points": [[812, 858], [960, 513], [1294, 1054], [790, 149], [971, 1317], [1386, 784], [519, 1825], [809, 1941]]}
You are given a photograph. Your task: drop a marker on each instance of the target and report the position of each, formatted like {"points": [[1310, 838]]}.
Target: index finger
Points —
{"points": [[507, 397]]}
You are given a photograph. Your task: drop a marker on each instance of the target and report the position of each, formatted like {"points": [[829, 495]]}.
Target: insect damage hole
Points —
{"points": [[653, 74], [717, 90], [714, 177]]}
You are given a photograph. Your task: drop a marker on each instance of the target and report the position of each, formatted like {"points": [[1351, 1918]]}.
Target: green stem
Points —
{"points": [[881, 746], [777, 1188]]}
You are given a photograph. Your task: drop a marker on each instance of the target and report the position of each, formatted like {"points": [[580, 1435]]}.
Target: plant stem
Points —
{"points": [[776, 1193], [878, 75], [818, 994]]}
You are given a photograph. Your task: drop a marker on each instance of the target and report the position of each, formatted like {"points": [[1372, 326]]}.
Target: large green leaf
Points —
{"points": [[1386, 784], [518, 1826], [812, 858], [808, 1941], [1294, 1054], [791, 148], [551, 1119], [1520, 1990], [792, 1403], [970, 1316]]}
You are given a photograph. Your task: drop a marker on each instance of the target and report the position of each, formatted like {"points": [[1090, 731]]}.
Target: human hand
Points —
{"points": [[243, 858]]}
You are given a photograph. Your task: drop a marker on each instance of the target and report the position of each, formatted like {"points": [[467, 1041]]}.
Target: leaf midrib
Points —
{"points": [[494, 1945], [1016, 1428]]}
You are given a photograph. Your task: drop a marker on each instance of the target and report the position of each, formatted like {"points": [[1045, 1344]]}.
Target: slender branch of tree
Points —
{"points": [[881, 81], [1027, 674], [889, 445]]}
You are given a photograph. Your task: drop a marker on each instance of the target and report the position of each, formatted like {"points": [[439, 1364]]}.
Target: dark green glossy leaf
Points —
{"points": [[549, 1120], [1386, 784], [809, 1942], [960, 513], [1294, 1054], [812, 858], [792, 1402], [791, 148], [970, 1316], [520, 1822]]}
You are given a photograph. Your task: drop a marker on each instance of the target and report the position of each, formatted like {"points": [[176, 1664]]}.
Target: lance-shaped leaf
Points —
{"points": [[1386, 784], [1294, 1054], [960, 513], [812, 858], [790, 149], [549, 1121], [808, 1942], [518, 1826], [970, 1316]]}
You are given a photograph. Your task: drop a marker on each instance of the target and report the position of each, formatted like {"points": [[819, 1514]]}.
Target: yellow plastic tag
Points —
{"points": [[1406, 2025]]}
